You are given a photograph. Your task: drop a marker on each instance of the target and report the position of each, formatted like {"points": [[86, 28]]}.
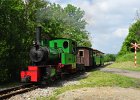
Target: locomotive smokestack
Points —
{"points": [[38, 35]]}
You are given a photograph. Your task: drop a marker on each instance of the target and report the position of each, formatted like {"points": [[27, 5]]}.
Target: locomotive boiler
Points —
{"points": [[41, 54]]}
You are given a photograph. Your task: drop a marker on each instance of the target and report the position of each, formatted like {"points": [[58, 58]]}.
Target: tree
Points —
{"points": [[11, 14], [65, 22], [18, 21], [133, 36]]}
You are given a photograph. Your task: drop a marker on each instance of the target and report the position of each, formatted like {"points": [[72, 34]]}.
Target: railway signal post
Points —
{"points": [[135, 46]]}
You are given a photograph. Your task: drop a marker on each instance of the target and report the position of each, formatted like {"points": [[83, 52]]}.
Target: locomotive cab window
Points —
{"points": [[81, 53], [65, 44], [55, 45]]}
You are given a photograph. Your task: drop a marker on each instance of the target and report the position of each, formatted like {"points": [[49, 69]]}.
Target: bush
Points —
{"points": [[3, 75]]}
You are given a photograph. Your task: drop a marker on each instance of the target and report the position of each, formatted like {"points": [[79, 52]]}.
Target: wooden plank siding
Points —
{"points": [[86, 58]]}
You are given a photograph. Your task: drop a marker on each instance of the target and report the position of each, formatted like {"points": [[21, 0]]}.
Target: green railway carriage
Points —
{"points": [[98, 57]]}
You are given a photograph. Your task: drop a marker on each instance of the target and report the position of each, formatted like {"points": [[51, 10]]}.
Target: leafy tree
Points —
{"points": [[65, 22], [18, 21], [11, 12], [133, 36]]}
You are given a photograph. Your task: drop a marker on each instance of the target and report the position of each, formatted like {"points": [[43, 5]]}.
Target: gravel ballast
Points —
{"points": [[48, 91]]}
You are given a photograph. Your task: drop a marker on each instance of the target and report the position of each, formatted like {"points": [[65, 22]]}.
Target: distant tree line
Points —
{"points": [[18, 20], [109, 57]]}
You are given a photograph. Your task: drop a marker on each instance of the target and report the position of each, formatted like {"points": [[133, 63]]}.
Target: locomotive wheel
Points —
{"points": [[52, 79]]}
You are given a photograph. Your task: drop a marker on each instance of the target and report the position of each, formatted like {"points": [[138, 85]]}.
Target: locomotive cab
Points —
{"points": [[68, 56]]}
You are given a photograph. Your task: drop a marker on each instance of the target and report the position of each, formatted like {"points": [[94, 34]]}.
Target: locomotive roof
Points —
{"points": [[90, 49], [62, 39], [85, 48]]}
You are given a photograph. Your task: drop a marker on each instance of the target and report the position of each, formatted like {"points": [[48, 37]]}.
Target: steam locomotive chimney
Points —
{"points": [[38, 35]]}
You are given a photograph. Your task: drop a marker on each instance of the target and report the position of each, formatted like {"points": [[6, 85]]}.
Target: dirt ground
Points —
{"points": [[132, 74], [101, 93]]}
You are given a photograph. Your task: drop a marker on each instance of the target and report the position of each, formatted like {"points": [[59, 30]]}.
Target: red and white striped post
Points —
{"points": [[135, 46]]}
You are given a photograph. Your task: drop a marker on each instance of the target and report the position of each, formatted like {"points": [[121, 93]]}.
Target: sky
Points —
{"points": [[108, 21]]}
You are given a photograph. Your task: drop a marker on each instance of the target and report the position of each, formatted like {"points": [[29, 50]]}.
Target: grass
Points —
{"points": [[127, 65], [128, 57], [127, 62], [98, 79]]}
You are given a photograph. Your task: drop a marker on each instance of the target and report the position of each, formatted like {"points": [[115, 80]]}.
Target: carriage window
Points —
{"points": [[94, 54], [65, 44], [81, 53]]}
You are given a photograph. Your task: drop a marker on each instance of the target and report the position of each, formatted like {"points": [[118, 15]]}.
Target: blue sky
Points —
{"points": [[108, 21]]}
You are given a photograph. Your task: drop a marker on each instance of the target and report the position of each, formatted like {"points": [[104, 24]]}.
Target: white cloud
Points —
{"points": [[121, 32], [56, 1], [108, 20]]}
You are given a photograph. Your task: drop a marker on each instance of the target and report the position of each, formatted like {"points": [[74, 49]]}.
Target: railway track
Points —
{"points": [[7, 93]]}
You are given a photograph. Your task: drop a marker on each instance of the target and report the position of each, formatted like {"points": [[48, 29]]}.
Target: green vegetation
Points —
{"points": [[17, 24], [109, 57], [127, 65], [126, 62], [65, 22], [99, 79], [128, 57], [133, 36], [125, 57]]}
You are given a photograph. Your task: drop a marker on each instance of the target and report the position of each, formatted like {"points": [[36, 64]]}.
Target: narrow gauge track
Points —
{"points": [[7, 93]]}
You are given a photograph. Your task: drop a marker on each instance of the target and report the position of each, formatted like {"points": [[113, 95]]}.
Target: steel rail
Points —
{"points": [[7, 93]]}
